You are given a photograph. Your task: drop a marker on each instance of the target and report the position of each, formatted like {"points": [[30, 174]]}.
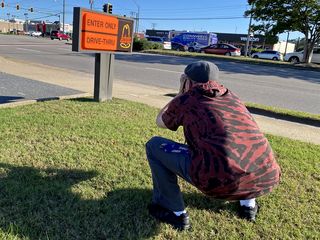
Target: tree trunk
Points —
{"points": [[306, 52], [311, 46], [264, 40]]}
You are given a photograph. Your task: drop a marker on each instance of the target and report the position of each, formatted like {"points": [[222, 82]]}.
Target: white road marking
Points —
{"points": [[138, 96], [30, 50], [163, 70], [3, 88], [21, 93], [64, 49]]}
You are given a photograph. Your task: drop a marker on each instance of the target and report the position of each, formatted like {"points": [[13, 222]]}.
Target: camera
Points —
{"points": [[183, 81]]}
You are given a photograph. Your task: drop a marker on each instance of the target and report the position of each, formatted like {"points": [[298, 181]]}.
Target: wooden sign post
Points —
{"points": [[102, 34]]}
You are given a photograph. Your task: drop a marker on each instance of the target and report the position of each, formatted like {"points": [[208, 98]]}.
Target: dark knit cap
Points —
{"points": [[202, 71]]}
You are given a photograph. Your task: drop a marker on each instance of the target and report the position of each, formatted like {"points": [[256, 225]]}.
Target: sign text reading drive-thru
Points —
{"points": [[100, 32]]}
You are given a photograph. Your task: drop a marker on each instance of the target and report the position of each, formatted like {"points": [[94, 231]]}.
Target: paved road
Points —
{"points": [[285, 88]]}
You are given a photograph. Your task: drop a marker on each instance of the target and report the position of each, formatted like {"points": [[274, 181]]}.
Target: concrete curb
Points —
{"points": [[285, 117], [29, 102]]}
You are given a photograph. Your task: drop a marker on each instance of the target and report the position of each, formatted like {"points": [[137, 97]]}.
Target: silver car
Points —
{"points": [[268, 54]]}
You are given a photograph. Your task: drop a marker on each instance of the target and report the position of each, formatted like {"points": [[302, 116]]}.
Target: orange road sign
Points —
{"points": [[99, 32]]}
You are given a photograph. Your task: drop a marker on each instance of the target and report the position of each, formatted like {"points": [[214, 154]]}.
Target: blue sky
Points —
{"points": [[230, 10]]}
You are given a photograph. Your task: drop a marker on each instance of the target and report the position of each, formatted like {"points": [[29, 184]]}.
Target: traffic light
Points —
{"points": [[105, 8], [18, 7], [109, 8], [2, 4], [31, 9]]}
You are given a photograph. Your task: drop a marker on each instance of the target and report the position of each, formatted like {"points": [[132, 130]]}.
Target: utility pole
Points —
{"points": [[26, 15], [8, 14], [137, 16], [91, 3], [64, 12], [248, 37]]}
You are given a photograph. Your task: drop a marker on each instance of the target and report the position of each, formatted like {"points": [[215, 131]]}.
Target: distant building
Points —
{"points": [[47, 27], [158, 33], [139, 35], [284, 47], [239, 39], [10, 26]]}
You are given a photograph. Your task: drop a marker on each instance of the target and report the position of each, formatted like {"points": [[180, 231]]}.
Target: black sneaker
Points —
{"points": [[249, 213], [165, 215]]}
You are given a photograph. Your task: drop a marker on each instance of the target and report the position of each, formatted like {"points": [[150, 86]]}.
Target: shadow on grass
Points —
{"points": [[48, 204], [84, 99], [45, 204]]}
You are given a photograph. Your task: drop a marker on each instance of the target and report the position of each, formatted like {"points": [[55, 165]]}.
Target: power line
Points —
{"points": [[195, 9], [204, 18], [35, 10], [52, 15]]}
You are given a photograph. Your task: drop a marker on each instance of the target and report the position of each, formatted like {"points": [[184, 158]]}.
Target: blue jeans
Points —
{"points": [[167, 160]]}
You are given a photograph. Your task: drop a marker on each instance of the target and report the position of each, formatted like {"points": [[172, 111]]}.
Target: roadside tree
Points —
{"points": [[265, 29], [290, 15]]}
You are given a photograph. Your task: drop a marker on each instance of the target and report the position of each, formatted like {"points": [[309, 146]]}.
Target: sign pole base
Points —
{"points": [[103, 76]]}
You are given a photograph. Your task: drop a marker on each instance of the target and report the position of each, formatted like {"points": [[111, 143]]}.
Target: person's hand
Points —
{"points": [[183, 81]]}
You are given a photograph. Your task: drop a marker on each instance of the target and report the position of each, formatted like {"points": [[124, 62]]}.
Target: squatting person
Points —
{"points": [[225, 156]]}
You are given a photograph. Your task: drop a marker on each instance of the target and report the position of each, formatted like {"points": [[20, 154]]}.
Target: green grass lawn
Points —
{"points": [[77, 169]]}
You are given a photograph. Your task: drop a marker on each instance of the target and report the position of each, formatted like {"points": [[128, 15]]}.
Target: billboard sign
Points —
{"points": [[101, 32]]}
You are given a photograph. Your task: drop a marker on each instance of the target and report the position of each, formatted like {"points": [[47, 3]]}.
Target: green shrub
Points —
{"points": [[254, 50], [137, 44], [144, 44], [155, 45]]}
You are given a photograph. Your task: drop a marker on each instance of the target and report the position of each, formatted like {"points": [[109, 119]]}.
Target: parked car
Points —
{"points": [[222, 49], [268, 54], [296, 57], [36, 34], [195, 47], [59, 35], [20, 32], [178, 47]]}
